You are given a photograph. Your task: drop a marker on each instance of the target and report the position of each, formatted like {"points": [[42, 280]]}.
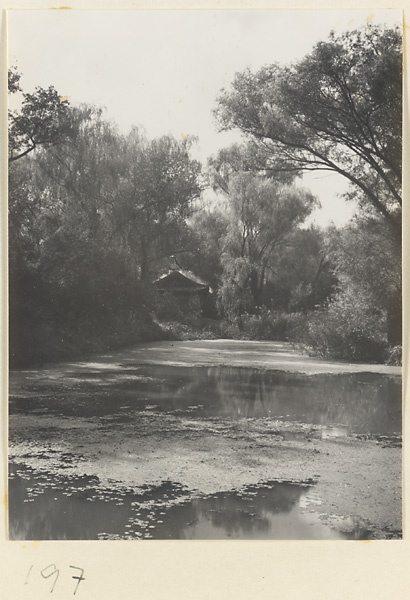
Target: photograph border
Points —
{"points": [[200, 570]]}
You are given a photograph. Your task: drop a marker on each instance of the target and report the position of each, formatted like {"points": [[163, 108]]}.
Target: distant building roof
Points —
{"points": [[180, 281]]}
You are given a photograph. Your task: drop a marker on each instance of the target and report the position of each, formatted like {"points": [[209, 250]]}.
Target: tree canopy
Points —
{"points": [[95, 216], [262, 216], [41, 121], [92, 219], [337, 109]]}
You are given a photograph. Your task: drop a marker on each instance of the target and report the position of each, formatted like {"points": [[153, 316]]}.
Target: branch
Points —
{"points": [[30, 149]]}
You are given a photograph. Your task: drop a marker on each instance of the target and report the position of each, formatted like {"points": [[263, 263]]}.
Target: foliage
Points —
{"points": [[240, 158], [272, 325], [13, 77], [304, 276], [262, 216], [79, 213], [95, 216], [202, 249], [338, 109], [365, 255], [198, 330], [159, 186], [43, 119], [350, 328], [395, 356]]}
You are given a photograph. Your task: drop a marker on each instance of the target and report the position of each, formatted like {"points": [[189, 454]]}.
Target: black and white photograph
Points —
{"points": [[205, 275]]}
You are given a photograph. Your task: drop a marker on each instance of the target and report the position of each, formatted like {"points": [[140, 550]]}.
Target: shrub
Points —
{"points": [[349, 328], [175, 330], [228, 330], [272, 325], [395, 356]]}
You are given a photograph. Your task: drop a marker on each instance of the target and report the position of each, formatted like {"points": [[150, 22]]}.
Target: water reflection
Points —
{"points": [[44, 507], [258, 512], [352, 403]]}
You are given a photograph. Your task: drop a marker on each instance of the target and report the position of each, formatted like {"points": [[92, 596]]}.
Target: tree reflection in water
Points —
{"points": [[364, 403], [45, 507]]}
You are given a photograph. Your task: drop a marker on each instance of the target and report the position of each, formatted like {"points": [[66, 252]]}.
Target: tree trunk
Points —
{"points": [[255, 289]]}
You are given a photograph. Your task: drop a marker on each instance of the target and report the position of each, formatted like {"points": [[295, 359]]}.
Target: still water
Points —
{"points": [[360, 403], [44, 506], [77, 508]]}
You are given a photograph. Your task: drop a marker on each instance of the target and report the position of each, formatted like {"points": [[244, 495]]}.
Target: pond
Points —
{"points": [[46, 504], [365, 403], [76, 509]]}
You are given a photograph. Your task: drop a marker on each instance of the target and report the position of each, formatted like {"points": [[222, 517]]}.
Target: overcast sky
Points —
{"points": [[162, 70]]}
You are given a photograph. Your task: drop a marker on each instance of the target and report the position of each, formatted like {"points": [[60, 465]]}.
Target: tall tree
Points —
{"points": [[262, 216], [338, 109], [64, 267], [156, 195]]}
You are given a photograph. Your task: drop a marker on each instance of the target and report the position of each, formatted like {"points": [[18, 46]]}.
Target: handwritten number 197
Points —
{"points": [[52, 571]]}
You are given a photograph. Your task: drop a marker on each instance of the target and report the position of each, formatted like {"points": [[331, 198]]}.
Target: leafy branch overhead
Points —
{"points": [[338, 109], [42, 120]]}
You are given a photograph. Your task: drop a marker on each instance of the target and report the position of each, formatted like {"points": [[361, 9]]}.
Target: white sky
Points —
{"points": [[162, 70]]}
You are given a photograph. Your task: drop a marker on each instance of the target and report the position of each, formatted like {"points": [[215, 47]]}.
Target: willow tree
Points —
{"points": [[155, 198], [262, 215]]}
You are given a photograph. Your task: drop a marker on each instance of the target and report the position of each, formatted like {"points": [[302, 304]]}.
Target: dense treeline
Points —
{"points": [[95, 216]]}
